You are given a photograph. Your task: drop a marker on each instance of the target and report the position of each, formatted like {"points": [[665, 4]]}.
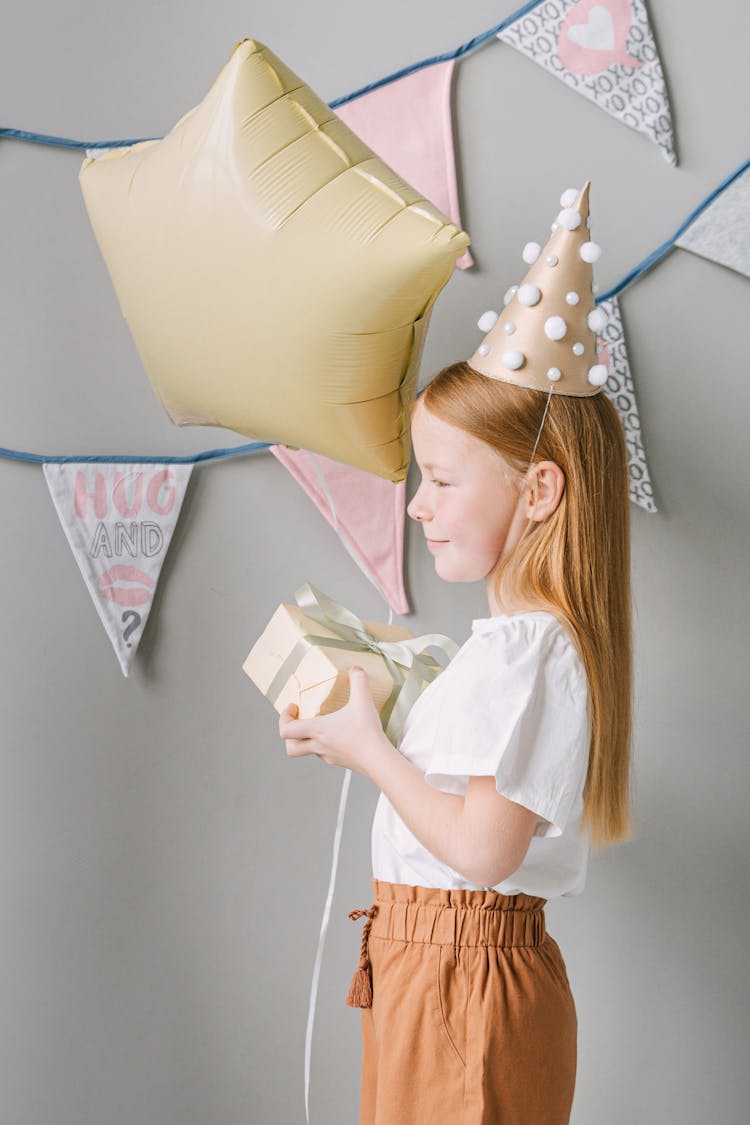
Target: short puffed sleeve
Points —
{"points": [[516, 707]]}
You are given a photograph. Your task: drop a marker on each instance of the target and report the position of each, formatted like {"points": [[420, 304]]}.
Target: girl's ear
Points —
{"points": [[546, 487]]}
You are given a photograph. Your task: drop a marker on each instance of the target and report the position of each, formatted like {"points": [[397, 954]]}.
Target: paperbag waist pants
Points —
{"points": [[467, 1013]]}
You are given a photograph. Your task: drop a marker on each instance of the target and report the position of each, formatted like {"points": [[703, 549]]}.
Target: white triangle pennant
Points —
{"points": [[605, 50], [721, 232], [119, 519]]}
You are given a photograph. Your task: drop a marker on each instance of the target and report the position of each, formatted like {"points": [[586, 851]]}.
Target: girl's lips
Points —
{"points": [[436, 542]]}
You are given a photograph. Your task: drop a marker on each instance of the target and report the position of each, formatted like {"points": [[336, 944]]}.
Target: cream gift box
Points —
{"points": [[304, 654]]}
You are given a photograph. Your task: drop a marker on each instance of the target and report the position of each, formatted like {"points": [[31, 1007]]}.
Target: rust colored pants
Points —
{"points": [[472, 1019]]}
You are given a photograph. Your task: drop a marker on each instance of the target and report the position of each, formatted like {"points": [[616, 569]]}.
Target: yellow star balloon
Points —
{"points": [[277, 277]]}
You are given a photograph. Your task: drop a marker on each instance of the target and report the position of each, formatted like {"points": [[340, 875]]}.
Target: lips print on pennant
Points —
{"points": [[119, 518], [604, 49]]}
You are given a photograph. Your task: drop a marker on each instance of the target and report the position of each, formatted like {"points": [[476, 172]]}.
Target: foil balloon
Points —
{"points": [[276, 275]]}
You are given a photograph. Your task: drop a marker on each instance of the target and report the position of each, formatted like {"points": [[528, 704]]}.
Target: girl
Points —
{"points": [[515, 759]]}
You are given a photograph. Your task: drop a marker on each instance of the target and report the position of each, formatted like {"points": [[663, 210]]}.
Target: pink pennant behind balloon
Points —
{"points": [[408, 124], [370, 513]]}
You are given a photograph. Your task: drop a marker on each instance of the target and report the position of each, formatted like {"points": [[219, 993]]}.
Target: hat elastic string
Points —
{"points": [[539, 434]]}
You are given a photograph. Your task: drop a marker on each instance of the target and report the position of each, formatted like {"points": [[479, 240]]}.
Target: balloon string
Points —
{"points": [[321, 939], [339, 823]]}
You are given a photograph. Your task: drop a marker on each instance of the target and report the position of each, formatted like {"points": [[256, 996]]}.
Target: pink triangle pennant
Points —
{"points": [[369, 515], [408, 123]]}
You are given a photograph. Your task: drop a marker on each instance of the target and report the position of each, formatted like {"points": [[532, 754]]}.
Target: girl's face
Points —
{"points": [[466, 502]]}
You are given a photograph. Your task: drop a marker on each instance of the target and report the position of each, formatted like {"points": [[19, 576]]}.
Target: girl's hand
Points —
{"points": [[347, 737]]}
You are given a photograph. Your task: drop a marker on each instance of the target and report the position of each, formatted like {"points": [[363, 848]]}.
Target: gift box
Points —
{"points": [[304, 654]]}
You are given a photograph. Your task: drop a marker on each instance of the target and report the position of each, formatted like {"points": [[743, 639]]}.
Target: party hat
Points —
{"points": [[545, 337]]}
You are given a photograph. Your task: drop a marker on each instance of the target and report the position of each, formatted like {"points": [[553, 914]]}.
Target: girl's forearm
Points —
{"points": [[435, 818]]}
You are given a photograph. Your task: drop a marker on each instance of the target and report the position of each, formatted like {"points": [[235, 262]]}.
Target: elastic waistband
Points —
{"points": [[457, 917]]}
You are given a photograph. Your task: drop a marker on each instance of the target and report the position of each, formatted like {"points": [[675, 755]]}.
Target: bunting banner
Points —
{"points": [[119, 514], [421, 149], [119, 525], [366, 511], [605, 50], [722, 232]]}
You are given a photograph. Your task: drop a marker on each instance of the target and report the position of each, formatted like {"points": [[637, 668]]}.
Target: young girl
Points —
{"points": [[515, 760]]}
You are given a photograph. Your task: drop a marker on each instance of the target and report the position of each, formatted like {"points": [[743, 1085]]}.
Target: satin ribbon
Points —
{"points": [[407, 664]]}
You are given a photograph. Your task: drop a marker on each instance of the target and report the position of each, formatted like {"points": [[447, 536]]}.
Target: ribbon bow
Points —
{"points": [[407, 664]]}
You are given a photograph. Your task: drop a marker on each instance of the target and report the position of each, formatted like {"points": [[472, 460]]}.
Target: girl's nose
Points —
{"points": [[414, 507]]}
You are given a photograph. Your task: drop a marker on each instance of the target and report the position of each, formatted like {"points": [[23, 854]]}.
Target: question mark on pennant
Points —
{"points": [[135, 620]]}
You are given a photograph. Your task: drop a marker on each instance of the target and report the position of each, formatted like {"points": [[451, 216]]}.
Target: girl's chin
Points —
{"points": [[448, 568], [452, 569]]}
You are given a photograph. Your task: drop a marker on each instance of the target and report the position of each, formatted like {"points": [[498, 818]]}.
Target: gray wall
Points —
{"points": [[163, 864]]}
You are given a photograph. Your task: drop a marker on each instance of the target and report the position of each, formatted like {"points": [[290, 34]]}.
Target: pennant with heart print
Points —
{"points": [[619, 388], [604, 49], [119, 519]]}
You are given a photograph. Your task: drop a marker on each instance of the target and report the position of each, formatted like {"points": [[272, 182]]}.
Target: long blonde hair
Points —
{"points": [[576, 563]]}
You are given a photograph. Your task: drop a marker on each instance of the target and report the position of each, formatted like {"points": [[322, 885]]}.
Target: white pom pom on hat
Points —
{"points": [[555, 327], [598, 375], [529, 295], [569, 218], [597, 320], [591, 252], [514, 359], [488, 320]]}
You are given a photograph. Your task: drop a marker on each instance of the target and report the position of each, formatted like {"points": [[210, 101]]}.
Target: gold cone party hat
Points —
{"points": [[545, 337]]}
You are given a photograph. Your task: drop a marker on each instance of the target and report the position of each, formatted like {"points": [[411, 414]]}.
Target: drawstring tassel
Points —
{"points": [[360, 990]]}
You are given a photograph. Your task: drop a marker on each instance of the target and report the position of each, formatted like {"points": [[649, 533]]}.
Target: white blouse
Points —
{"points": [[512, 703]]}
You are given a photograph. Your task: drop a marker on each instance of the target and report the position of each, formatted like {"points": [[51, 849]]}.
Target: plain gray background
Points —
{"points": [[163, 864]]}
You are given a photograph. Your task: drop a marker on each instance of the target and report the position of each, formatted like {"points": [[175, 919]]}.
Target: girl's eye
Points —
{"points": [[440, 483]]}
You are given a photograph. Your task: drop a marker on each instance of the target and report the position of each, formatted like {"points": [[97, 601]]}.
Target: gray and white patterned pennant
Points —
{"points": [[605, 50], [119, 519], [619, 389], [721, 233]]}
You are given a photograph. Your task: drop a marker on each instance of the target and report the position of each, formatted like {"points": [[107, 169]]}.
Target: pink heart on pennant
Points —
{"points": [[596, 35], [604, 356], [593, 35]]}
